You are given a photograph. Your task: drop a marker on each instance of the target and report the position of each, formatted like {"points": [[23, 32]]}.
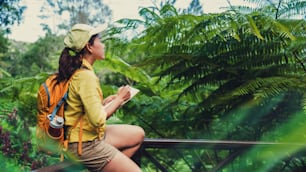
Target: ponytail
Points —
{"points": [[69, 62]]}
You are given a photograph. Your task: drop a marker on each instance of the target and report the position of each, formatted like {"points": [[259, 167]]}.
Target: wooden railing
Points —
{"points": [[236, 147]]}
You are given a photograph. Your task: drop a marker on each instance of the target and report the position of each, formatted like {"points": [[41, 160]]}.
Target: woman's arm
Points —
{"points": [[115, 101]]}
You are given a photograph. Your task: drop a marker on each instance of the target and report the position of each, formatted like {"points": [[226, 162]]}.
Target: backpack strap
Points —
{"points": [[48, 93], [57, 107], [80, 137], [66, 141]]}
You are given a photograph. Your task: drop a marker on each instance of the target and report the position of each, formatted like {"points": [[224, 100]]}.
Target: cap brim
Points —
{"points": [[98, 29]]}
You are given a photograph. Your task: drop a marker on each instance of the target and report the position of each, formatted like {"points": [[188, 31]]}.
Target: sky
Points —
{"points": [[29, 30]]}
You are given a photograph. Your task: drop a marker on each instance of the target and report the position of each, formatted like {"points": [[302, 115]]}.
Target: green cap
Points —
{"points": [[79, 35]]}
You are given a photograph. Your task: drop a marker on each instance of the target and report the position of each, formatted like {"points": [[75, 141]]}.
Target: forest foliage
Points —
{"points": [[235, 75]]}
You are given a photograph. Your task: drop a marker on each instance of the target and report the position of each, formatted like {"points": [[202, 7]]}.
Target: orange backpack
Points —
{"points": [[51, 100], [50, 105]]}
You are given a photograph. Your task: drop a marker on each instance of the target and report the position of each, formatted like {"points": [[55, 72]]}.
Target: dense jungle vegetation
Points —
{"points": [[235, 75]]}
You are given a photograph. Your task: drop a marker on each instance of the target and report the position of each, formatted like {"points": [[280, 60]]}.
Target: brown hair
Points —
{"points": [[70, 61]]}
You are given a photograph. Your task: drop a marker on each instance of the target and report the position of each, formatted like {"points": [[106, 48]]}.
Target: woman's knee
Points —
{"points": [[135, 133], [140, 133]]}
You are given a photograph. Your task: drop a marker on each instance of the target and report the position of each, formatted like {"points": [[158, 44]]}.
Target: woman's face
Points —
{"points": [[98, 49]]}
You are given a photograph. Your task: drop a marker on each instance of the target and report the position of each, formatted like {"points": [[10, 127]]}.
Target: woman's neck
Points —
{"points": [[89, 59]]}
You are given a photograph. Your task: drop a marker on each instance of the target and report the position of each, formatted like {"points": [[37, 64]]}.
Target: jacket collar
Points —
{"points": [[87, 65]]}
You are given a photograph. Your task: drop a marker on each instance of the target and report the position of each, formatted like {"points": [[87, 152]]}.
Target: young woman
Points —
{"points": [[99, 147]]}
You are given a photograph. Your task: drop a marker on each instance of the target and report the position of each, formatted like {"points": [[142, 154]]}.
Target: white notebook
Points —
{"points": [[133, 92]]}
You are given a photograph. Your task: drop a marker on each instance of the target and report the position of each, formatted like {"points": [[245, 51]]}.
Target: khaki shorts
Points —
{"points": [[95, 154]]}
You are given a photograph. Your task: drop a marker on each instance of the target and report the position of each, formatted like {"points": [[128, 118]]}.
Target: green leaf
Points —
{"points": [[254, 28]]}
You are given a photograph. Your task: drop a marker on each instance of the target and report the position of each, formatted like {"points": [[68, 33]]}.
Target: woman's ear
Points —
{"points": [[88, 47]]}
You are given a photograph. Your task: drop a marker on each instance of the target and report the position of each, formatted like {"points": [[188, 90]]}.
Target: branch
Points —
{"points": [[277, 9]]}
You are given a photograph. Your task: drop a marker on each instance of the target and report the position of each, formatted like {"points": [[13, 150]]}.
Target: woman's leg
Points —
{"points": [[121, 163], [126, 138]]}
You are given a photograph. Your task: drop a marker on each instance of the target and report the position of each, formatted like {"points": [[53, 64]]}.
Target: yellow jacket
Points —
{"points": [[85, 98]]}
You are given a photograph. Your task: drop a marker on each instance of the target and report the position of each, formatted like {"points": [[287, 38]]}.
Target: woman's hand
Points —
{"points": [[123, 93], [109, 99]]}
